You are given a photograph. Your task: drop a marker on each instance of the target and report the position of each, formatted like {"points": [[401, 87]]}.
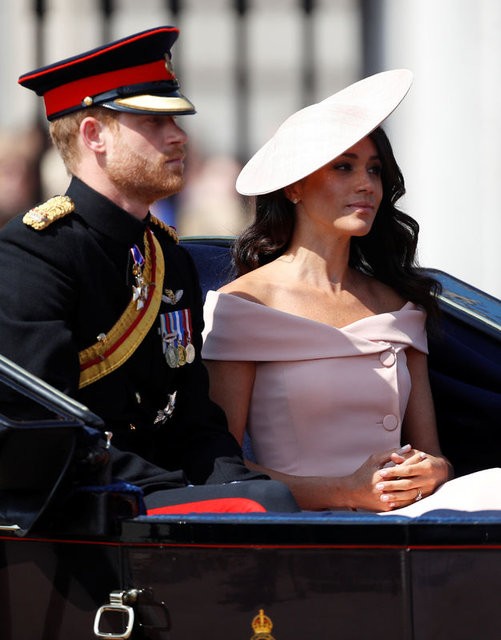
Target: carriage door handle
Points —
{"points": [[118, 607]]}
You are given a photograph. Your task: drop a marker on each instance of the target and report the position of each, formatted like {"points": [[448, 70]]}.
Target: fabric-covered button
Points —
{"points": [[387, 358], [390, 422]]}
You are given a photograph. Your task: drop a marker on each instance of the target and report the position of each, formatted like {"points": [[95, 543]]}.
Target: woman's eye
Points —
{"points": [[342, 166], [376, 170]]}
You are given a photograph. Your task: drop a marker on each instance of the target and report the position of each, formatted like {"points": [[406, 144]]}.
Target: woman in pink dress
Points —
{"points": [[318, 348]]}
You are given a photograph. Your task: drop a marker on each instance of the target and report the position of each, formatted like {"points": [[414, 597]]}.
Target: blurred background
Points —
{"points": [[248, 64]]}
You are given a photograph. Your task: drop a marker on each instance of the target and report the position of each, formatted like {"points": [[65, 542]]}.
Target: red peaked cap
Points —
{"points": [[133, 74]]}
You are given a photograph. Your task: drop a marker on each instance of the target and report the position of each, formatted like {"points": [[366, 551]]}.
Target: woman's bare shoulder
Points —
{"points": [[252, 286]]}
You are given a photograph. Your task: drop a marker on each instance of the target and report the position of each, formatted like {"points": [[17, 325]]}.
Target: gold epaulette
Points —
{"points": [[167, 228], [43, 215]]}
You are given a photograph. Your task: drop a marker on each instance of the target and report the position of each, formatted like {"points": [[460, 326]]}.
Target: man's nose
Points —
{"points": [[175, 134]]}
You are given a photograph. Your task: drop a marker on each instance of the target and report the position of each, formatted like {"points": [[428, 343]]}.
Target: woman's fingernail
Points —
{"points": [[380, 486], [384, 497], [405, 448], [383, 473]]}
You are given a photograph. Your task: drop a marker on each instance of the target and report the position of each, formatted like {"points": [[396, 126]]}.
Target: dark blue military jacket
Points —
{"points": [[63, 286]]}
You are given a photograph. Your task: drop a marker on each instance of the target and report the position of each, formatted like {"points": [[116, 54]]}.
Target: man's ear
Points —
{"points": [[91, 132]]}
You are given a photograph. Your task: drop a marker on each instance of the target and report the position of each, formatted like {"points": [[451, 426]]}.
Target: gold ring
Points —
{"points": [[419, 496]]}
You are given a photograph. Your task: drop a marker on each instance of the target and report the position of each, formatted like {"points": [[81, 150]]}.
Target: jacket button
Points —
{"points": [[390, 422], [387, 358]]}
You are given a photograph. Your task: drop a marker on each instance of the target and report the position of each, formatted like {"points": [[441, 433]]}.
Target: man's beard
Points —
{"points": [[141, 179]]}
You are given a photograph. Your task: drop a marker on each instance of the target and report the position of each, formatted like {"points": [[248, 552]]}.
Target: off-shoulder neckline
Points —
{"points": [[241, 299]]}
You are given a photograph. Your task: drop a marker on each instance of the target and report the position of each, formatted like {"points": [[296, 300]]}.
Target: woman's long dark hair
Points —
{"points": [[387, 252]]}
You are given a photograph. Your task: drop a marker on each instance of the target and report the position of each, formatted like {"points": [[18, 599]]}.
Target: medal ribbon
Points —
{"points": [[187, 326], [175, 326], [166, 331], [177, 321], [137, 256], [176, 330], [129, 331]]}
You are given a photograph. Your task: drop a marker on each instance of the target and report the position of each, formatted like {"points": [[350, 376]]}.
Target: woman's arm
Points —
{"points": [[420, 426], [356, 491], [230, 387]]}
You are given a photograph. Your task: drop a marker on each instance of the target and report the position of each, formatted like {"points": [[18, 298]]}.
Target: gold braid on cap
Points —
{"points": [[43, 215]]}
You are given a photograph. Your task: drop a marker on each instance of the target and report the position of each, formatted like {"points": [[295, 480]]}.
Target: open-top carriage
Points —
{"points": [[116, 574]]}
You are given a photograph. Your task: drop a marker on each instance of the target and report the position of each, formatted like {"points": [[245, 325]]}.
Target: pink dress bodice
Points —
{"points": [[324, 398]]}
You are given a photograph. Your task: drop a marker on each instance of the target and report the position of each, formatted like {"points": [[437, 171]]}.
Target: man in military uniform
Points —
{"points": [[101, 301]]}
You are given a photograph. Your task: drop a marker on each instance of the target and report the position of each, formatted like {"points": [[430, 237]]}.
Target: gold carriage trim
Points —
{"points": [[262, 626], [43, 215], [114, 348]]}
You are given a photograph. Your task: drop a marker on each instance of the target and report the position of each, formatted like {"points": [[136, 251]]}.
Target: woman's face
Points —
{"points": [[345, 194]]}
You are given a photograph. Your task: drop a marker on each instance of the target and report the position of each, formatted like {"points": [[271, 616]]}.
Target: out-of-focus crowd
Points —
{"points": [[31, 171], [20, 179]]}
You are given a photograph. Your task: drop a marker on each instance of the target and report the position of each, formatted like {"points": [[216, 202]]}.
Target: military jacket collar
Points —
{"points": [[105, 216]]}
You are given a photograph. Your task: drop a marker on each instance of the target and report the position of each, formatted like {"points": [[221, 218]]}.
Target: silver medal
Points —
{"points": [[190, 353], [172, 356]]}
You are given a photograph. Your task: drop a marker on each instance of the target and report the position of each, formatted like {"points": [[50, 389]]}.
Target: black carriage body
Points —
{"points": [[347, 578], [329, 576]]}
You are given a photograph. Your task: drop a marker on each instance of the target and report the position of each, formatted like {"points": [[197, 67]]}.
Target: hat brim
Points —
{"points": [[317, 134], [147, 104]]}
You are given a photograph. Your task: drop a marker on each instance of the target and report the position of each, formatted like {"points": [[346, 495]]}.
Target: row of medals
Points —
{"points": [[177, 355]]}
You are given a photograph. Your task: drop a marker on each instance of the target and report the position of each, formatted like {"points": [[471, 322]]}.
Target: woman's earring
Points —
{"points": [[295, 200]]}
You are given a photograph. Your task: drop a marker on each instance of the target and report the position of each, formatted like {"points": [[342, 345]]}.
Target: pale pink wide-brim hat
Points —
{"points": [[317, 134]]}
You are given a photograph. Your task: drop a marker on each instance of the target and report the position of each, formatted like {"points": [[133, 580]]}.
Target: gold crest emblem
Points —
{"points": [[168, 65], [43, 215], [262, 626]]}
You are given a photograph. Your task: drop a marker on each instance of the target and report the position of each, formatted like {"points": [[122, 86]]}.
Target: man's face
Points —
{"points": [[145, 156]]}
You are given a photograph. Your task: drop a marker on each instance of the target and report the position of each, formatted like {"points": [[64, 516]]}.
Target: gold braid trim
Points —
{"points": [[43, 215], [110, 352], [163, 225]]}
